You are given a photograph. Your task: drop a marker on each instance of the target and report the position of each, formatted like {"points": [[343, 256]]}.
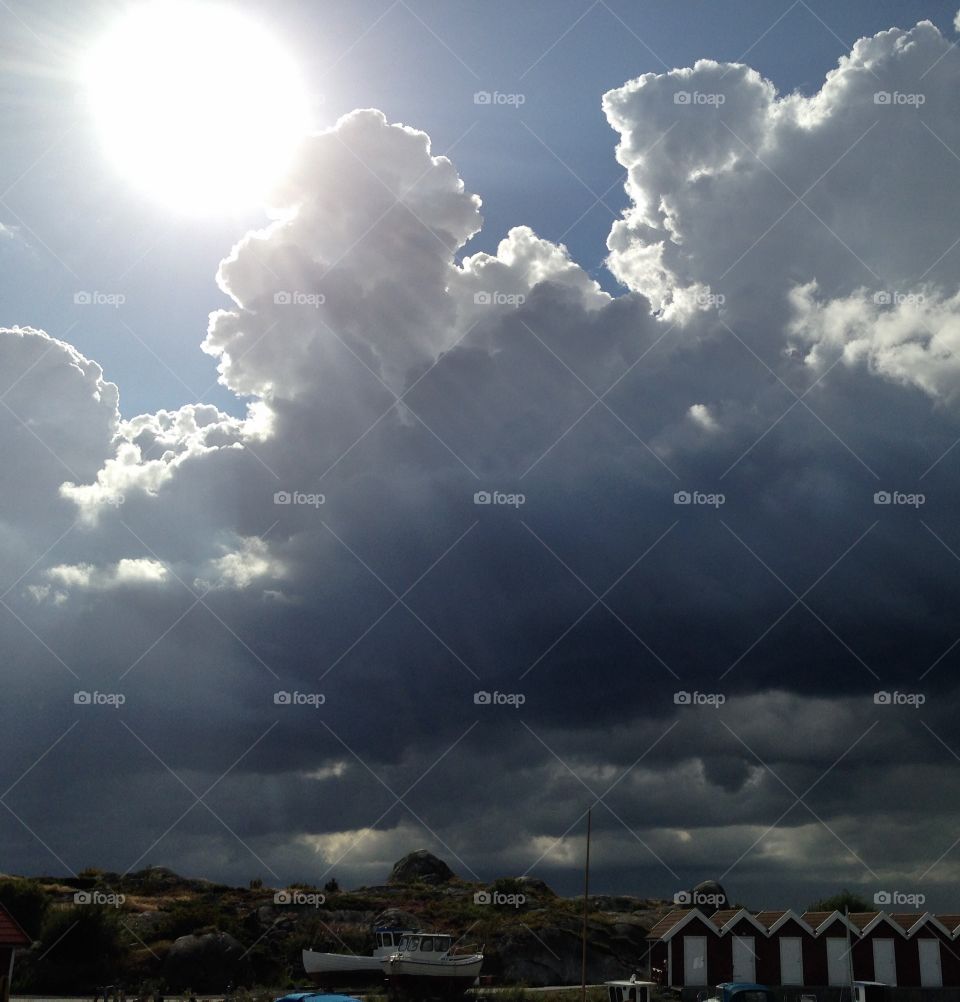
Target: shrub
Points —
{"points": [[845, 899], [27, 902], [80, 950]]}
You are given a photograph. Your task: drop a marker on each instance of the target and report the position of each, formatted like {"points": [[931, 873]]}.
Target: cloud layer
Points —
{"points": [[696, 526]]}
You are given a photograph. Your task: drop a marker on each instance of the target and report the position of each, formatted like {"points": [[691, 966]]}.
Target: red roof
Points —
{"points": [[816, 919], [768, 918], [10, 932], [660, 930], [906, 920], [862, 919]]}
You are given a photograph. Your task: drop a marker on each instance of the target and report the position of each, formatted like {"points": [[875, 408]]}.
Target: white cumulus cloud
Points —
{"points": [[790, 289]]}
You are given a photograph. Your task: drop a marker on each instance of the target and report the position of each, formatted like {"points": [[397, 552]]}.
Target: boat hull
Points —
{"points": [[328, 969], [411, 979]]}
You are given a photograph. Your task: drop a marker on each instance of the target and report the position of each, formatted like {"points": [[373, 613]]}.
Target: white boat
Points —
{"points": [[346, 968], [424, 966]]}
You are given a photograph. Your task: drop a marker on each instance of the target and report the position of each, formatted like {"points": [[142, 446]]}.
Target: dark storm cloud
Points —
{"points": [[707, 669]]}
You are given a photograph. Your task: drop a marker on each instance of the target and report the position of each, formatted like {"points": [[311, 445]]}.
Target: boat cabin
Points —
{"points": [[388, 940], [629, 991], [416, 942]]}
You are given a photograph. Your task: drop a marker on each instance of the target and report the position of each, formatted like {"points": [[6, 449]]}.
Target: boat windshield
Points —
{"points": [[408, 943], [426, 944], [441, 943]]}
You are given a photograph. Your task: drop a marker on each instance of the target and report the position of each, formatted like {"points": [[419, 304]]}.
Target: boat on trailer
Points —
{"points": [[347, 968], [424, 966]]}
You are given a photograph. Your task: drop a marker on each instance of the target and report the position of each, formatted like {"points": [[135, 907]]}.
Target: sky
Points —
{"points": [[593, 446]]}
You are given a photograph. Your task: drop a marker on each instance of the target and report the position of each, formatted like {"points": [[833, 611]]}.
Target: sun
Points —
{"points": [[196, 104]]}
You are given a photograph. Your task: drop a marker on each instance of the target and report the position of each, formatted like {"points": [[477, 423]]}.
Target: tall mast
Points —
{"points": [[586, 892], [846, 916]]}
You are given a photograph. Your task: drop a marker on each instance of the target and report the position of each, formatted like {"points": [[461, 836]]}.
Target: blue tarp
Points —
{"points": [[315, 997], [730, 989]]}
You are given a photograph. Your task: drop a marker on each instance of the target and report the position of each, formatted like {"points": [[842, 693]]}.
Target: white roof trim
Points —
{"points": [[832, 917], [744, 914], [928, 918], [883, 917], [693, 913], [786, 917]]}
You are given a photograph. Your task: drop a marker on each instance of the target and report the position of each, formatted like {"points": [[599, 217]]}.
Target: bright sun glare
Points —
{"points": [[196, 104]]}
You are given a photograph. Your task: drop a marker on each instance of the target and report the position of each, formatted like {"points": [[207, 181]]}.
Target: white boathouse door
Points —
{"points": [[744, 959], [695, 960], [931, 973], [838, 963], [884, 962], [791, 960]]}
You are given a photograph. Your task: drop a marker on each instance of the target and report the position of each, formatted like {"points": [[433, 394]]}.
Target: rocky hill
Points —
{"points": [[154, 930]]}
